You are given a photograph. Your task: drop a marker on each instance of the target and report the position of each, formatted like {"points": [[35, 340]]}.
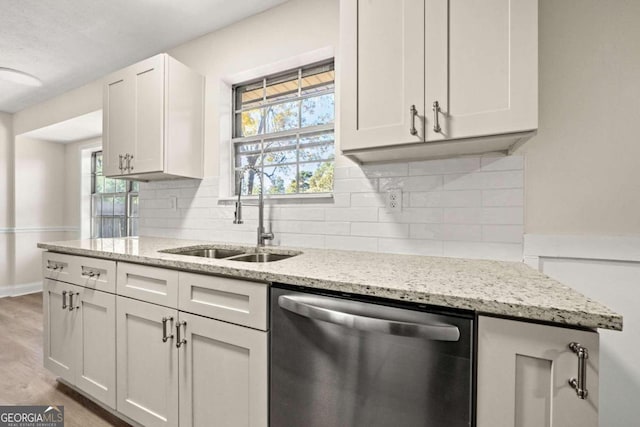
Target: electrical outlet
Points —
{"points": [[394, 200]]}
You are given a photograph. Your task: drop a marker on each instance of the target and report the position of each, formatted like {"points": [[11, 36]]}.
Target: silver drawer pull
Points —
{"points": [[580, 384], [64, 300], [180, 341], [165, 337]]}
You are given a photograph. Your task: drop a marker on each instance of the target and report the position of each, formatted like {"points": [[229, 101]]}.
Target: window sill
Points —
{"points": [[281, 199]]}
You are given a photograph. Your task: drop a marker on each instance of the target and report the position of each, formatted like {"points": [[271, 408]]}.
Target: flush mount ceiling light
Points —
{"points": [[20, 77]]}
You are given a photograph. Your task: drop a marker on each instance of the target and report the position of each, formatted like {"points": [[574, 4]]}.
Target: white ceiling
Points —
{"points": [[68, 43]]}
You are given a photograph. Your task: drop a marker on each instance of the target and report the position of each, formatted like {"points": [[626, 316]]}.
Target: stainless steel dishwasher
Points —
{"points": [[338, 361]]}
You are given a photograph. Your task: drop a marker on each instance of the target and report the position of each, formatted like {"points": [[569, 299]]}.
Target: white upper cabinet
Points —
{"points": [[153, 121], [432, 78]]}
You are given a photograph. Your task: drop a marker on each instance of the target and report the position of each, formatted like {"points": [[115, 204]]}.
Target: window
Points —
{"points": [[284, 127], [114, 203]]}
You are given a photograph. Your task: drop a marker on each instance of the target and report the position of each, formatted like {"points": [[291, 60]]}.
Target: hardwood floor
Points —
{"points": [[23, 379]]}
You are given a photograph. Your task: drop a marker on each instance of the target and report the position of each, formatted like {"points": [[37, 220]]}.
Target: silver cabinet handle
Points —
{"points": [[580, 384], [414, 113], [436, 117], [165, 337], [120, 163], [128, 158], [311, 307], [64, 300], [71, 306], [180, 341]]}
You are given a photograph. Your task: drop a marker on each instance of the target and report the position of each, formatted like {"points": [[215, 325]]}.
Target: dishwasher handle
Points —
{"points": [[312, 308]]}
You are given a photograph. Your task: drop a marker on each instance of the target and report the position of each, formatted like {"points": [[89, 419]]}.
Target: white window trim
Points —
{"points": [[225, 102], [298, 131]]}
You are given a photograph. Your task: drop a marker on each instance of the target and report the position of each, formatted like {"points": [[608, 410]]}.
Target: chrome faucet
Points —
{"points": [[262, 235]]}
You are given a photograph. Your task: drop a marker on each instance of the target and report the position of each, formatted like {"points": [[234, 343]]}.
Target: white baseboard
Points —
{"points": [[21, 289]]}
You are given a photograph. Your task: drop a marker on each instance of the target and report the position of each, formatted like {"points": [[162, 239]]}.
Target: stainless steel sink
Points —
{"points": [[205, 252], [243, 254], [261, 257]]}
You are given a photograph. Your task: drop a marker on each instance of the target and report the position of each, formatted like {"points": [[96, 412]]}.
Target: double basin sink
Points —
{"points": [[235, 254]]}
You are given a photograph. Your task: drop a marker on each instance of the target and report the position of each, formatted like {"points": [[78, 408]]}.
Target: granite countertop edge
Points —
{"points": [[565, 307]]}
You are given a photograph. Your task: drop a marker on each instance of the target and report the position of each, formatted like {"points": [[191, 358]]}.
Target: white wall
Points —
{"points": [[40, 195], [582, 174]]}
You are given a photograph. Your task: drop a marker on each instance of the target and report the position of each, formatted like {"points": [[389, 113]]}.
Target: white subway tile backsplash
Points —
{"points": [[352, 185], [352, 243], [483, 250], [462, 216], [509, 197], [425, 231], [380, 229], [296, 213], [411, 216], [417, 247], [462, 232], [301, 240], [312, 227], [466, 207], [444, 166], [368, 199], [511, 216], [413, 183], [495, 162], [367, 214], [484, 180], [503, 233], [468, 198], [386, 170]]}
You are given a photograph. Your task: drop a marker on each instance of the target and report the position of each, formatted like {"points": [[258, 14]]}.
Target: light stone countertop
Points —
{"points": [[487, 287]]}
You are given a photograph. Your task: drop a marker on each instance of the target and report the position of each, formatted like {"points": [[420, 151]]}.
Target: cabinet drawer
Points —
{"points": [[58, 266], [236, 301], [151, 284], [91, 273], [98, 274]]}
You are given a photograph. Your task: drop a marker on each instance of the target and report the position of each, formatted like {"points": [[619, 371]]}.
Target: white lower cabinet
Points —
{"points": [[223, 374], [524, 371], [218, 375], [79, 338]]}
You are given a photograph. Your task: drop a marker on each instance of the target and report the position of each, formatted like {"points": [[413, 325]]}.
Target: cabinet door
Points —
{"points": [[223, 374], [96, 346], [524, 371], [382, 75], [481, 66], [60, 333], [147, 367], [118, 121], [148, 86]]}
